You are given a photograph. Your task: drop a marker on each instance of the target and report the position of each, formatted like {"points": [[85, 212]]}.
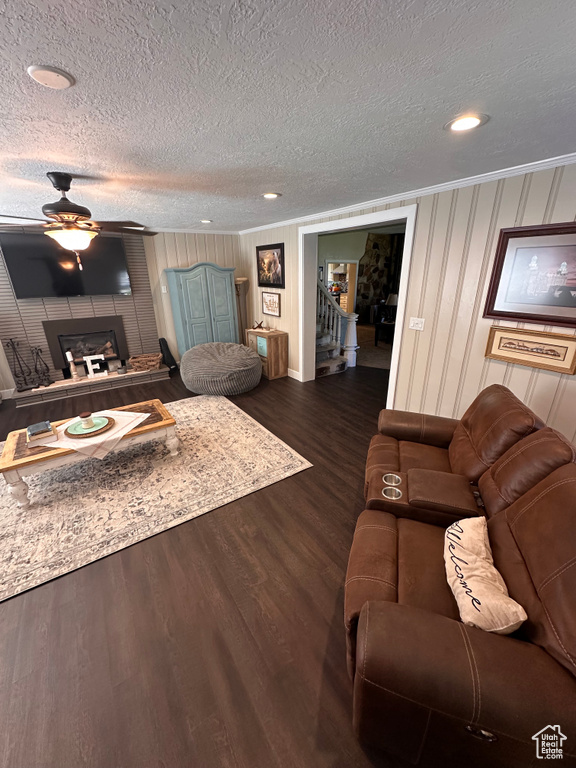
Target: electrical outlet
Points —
{"points": [[416, 323], [164, 289]]}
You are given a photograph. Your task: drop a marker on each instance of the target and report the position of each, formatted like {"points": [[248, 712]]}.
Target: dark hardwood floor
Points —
{"points": [[219, 643]]}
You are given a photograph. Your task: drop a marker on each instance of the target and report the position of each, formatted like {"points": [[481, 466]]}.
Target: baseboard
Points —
{"points": [[6, 394], [294, 374]]}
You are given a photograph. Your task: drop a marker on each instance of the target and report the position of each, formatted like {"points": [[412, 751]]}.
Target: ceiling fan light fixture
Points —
{"points": [[72, 238], [65, 210]]}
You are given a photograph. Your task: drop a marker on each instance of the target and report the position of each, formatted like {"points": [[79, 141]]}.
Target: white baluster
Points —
{"points": [[329, 317]]}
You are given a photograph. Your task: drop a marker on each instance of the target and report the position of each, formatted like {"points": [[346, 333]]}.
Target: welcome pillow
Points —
{"points": [[479, 589]]}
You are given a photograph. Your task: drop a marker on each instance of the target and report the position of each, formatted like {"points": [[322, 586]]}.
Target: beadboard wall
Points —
{"points": [[289, 296], [169, 250], [21, 319], [443, 368]]}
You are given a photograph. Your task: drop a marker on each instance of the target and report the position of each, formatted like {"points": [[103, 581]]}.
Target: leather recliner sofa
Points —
{"points": [[440, 460], [428, 688]]}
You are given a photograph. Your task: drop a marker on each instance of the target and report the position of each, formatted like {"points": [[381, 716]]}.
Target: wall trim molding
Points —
{"points": [[6, 394], [505, 173], [292, 374]]}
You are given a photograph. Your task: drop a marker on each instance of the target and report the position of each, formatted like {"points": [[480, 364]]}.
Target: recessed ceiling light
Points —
{"points": [[51, 77], [466, 122], [271, 195], [205, 221]]}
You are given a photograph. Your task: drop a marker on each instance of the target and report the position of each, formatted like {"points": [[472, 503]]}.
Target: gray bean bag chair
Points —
{"points": [[219, 368]]}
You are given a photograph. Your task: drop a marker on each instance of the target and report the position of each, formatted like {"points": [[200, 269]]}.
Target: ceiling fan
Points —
{"points": [[67, 223]]}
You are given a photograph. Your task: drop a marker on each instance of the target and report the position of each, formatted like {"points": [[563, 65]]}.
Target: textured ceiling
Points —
{"points": [[190, 109]]}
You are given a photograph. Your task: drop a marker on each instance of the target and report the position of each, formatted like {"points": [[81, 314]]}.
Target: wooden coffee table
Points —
{"points": [[18, 460]]}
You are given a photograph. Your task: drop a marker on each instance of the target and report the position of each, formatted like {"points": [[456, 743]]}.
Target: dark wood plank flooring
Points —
{"points": [[219, 643]]}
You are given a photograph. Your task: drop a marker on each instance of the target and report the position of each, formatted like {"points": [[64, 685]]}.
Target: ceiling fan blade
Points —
{"points": [[125, 226], [23, 227], [116, 226], [139, 231], [6, 219]]}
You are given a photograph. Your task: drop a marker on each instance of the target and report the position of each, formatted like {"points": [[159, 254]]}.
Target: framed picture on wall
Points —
{"points": [[271, 304], [534, 275], [536, 349], [270, 265]]}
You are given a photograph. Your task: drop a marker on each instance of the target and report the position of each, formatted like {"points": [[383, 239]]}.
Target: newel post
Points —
{"points": [[351, 341]]}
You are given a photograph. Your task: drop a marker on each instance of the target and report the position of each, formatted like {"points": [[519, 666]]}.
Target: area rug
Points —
{"points": [[368, 355], [88, 510]]}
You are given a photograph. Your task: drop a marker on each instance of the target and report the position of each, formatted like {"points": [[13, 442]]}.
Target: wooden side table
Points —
{"points": [[272, 346]]}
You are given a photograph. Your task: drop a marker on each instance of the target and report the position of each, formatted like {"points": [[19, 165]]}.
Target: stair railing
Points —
{"points": [[330, 315]]}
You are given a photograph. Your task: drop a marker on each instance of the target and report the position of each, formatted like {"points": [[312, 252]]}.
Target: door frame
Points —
{"points": [[308, 275]]}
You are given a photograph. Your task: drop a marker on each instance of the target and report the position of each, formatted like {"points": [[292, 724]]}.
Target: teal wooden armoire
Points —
{"points": [[203, 304]]}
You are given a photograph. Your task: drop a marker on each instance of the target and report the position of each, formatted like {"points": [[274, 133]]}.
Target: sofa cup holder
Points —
{"points": [[392, 494], [391, 479]]}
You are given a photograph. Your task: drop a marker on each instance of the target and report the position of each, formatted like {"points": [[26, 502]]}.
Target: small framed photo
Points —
{"points": [[271, 304], [270, 265], [536, 349], [113, 365], [534, 275]]}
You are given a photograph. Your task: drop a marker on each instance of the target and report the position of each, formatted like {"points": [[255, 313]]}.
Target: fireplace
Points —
{"points": [[86, 336], [95, 343]]}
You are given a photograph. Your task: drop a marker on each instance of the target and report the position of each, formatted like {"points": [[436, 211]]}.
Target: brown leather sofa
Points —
{"points": [[440, 460], [428, 688]]}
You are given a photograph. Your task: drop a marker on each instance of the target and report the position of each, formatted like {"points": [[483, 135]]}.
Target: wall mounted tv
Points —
{"points": [[39, 267]]}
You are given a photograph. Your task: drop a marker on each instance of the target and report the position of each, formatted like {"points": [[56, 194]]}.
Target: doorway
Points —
{"points": [[308, 267], [361, 269], [341, 278]]}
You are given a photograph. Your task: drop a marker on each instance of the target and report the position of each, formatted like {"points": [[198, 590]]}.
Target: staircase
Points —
{"points": [[333, 355]]}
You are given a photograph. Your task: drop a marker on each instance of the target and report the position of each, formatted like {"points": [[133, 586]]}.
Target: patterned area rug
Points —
{"points": [[88, 510]]}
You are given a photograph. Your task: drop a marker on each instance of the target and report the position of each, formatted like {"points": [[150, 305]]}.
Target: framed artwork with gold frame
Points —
{"points": [[536, 349]]}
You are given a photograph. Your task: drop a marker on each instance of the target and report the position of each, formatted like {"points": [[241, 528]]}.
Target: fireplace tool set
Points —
{"points": [[24, 377]]}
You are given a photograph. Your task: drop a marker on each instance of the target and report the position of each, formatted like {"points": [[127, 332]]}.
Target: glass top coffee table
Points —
{"points": [[19, 460]]}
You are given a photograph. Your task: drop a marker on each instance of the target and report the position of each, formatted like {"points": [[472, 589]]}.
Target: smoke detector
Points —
{"points": [[51, 77]]}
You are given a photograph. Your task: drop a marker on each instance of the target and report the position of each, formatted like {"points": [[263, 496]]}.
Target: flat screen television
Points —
{"points": [[39, 267]]}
